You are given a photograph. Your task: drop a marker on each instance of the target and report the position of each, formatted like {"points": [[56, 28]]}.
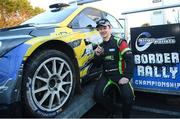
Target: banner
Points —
{"points": [[156, 56]]}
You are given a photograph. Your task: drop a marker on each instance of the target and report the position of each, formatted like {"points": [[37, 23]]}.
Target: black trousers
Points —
{"points": [[110, 94]]}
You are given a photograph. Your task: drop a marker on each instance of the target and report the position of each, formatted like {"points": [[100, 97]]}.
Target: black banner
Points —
{"points": [[156, 56]]}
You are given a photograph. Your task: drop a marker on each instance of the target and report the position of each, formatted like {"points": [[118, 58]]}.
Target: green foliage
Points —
{"points": [[14, 12]]}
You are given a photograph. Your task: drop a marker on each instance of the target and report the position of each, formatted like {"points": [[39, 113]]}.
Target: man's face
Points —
{"points": [[105, 31]]}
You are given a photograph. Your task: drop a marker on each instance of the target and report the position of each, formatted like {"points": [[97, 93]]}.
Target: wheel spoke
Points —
{"points": [[42, 79], [61, 68], [51, 100], [58, 98], [49, 73], [65, 74], [54, 67], [62, 90], [65, 83], [41, 89], [44, 97]]}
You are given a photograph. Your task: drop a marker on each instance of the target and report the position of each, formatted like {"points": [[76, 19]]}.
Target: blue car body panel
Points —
{"points": [[9, 71]]}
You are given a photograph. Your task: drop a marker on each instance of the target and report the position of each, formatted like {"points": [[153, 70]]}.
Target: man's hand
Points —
{"points": [[123, 81], [99, 50]]}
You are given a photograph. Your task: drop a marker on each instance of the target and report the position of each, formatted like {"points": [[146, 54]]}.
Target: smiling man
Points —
{"points": [[118, 64]]}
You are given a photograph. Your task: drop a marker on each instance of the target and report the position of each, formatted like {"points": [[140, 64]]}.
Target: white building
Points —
{"points": [[158, 16]]}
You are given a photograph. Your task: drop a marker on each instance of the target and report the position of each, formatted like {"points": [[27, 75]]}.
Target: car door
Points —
{"points": [[85, 22]]}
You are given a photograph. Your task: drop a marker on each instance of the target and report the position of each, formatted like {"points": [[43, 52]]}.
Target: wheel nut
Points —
{"points": [[58, 81], [55, 89]]}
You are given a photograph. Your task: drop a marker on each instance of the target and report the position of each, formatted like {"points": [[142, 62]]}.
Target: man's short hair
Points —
{"points": [[103, 22]]}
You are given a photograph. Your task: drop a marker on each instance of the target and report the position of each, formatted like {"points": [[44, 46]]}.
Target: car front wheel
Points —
{"points": [[49, 83]]}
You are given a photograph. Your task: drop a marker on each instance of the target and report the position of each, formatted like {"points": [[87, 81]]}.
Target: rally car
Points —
{"points": [[44, 60]]}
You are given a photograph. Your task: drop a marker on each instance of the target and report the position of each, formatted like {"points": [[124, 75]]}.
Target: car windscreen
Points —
{"points": [[49, 17]]}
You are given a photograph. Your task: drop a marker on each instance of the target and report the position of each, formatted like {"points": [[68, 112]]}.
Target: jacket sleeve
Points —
{"points": [[128, 58]]}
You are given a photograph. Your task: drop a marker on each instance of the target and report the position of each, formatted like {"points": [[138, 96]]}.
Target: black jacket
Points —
{"points": [[117, 59]]}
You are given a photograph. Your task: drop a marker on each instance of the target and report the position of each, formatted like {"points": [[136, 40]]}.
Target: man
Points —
{"points": [[118, 64]]}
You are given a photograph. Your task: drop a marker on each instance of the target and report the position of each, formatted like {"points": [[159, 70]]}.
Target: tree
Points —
{"points": [[14, 12]]}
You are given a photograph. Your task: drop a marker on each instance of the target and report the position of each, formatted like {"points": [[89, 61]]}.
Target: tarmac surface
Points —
{"points": [[147, 105]]}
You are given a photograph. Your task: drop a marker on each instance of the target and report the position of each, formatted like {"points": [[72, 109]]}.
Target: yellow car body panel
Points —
{"points": [[69, 36]]}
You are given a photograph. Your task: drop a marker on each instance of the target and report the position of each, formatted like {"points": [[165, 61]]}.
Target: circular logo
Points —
{"points": [[143, 41]]}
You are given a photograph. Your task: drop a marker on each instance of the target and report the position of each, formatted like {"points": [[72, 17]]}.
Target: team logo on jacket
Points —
{"points": [[111, 50]]}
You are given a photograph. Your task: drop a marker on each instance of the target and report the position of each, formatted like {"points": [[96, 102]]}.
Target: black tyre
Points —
{"points": [[48, 83]]}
